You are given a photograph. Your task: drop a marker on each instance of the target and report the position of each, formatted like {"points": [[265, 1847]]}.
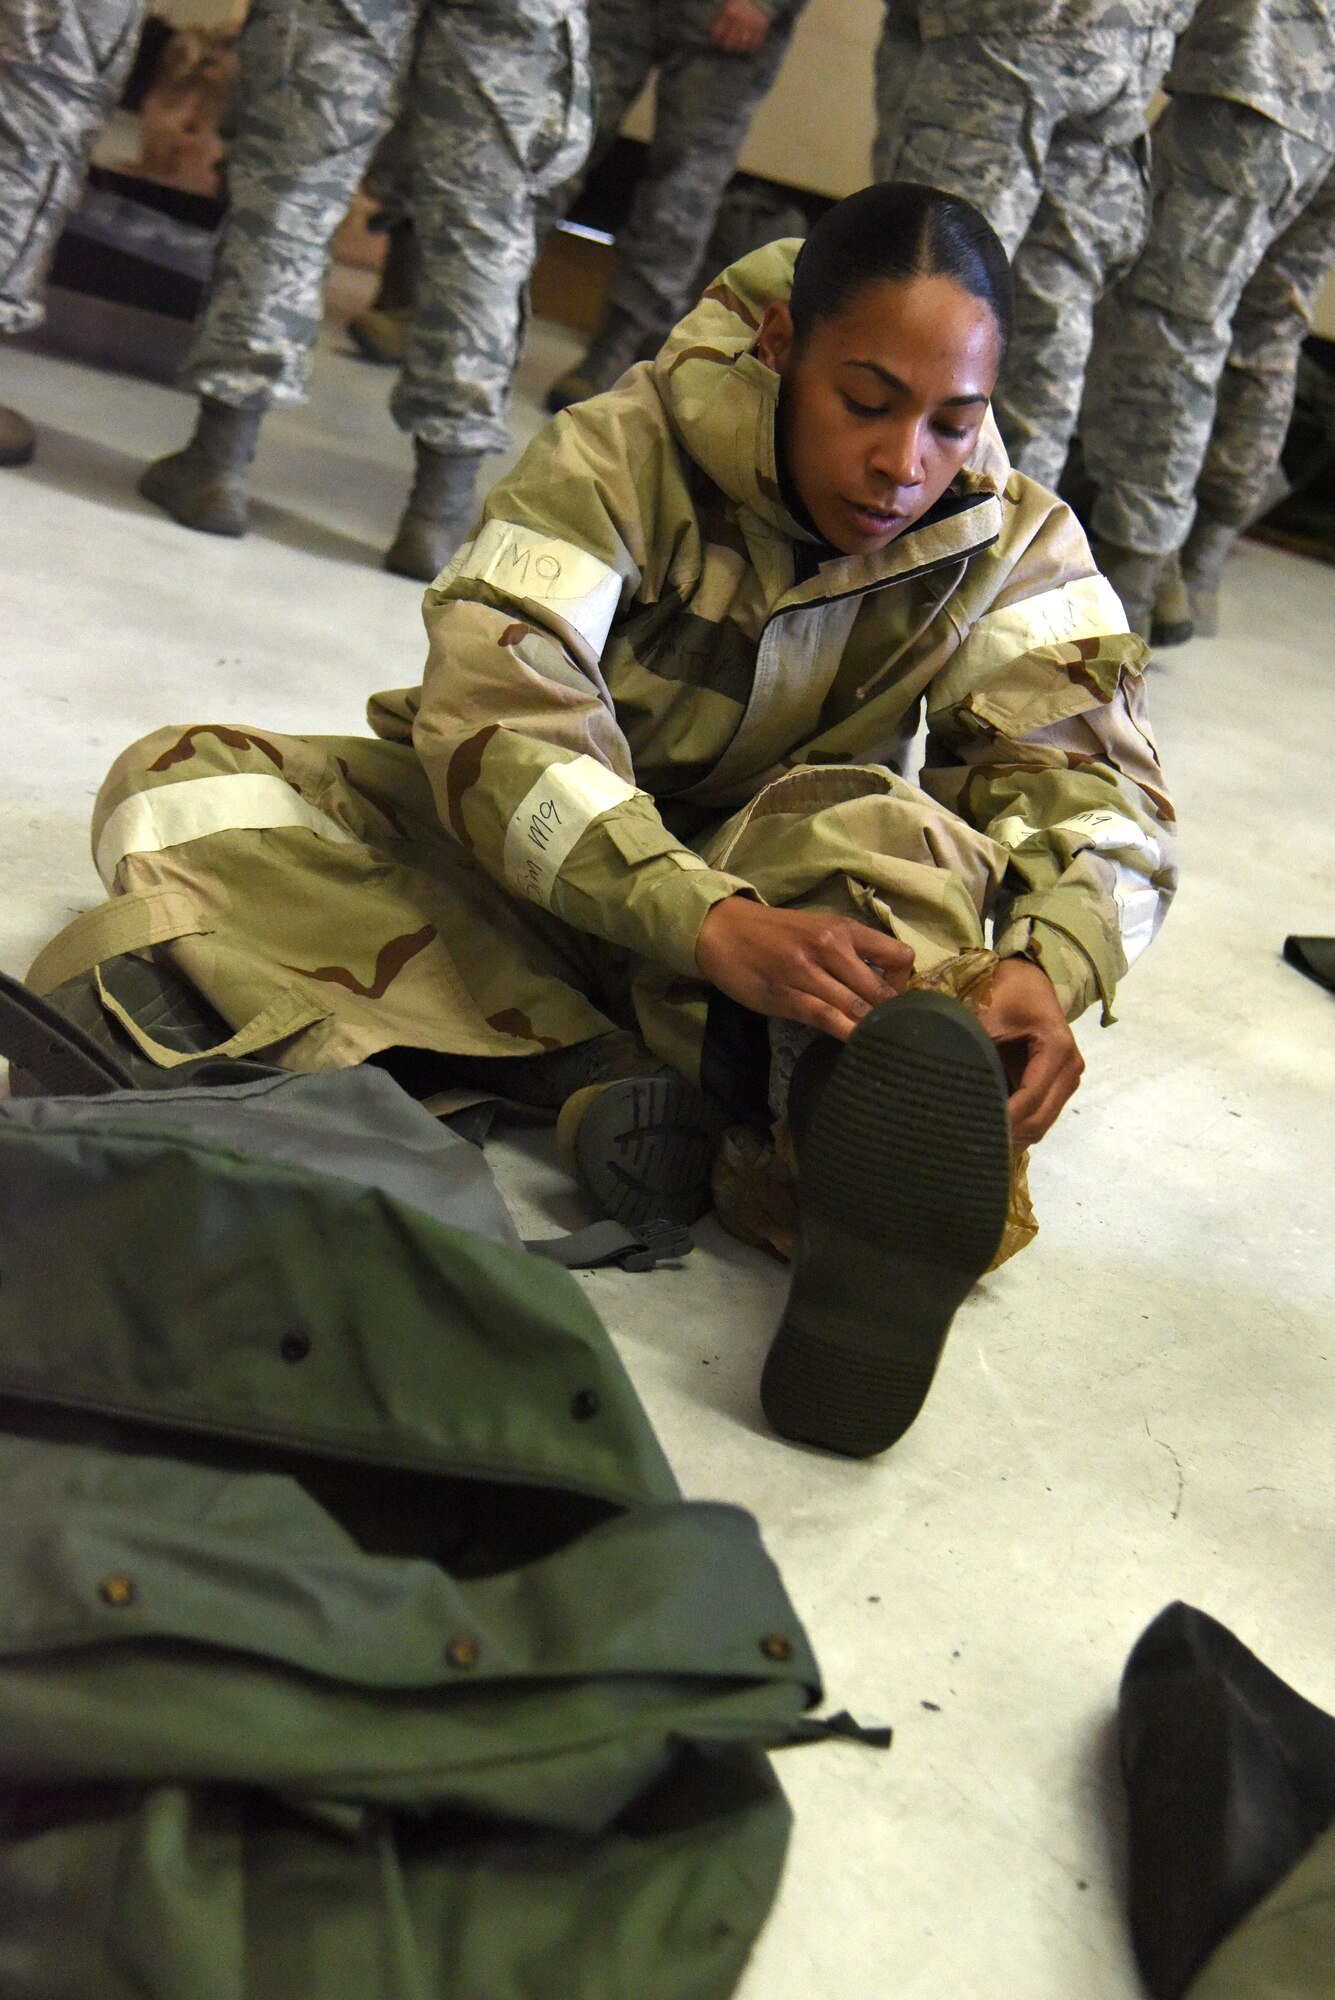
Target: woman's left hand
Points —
{"points": [[1042, 1060]]}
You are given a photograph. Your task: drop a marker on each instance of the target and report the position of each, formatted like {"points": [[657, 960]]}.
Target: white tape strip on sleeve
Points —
{"points": [[1133, 855], [542, 568], [169, 815], [1088, 608], [550, 818]]}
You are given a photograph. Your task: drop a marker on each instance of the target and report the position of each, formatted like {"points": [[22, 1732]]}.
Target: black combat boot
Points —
{"points": [[206, 485]]}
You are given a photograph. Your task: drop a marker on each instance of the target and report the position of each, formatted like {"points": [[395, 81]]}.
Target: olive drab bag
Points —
{"points": [[355, 1640]]}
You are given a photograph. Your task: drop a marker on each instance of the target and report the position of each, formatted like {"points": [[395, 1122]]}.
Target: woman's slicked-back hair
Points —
{"points": [[899, 229]]}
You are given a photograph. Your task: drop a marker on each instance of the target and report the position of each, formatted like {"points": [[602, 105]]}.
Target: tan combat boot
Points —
{"points": [[381, 332], [617, 346], [206, 486], [1135, 578], [18, 439], [1172, 620], [1207, 550], [440, 511]]}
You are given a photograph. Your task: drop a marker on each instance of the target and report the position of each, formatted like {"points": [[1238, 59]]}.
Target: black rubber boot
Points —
{"points": [[618, 344], [440, 512], [903, 1159], [1230, 1777], [381, 332], [18, 439], [206, 486], [643, 1147]]}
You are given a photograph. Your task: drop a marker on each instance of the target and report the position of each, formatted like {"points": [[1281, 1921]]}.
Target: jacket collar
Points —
{"points": [[722, 403]]}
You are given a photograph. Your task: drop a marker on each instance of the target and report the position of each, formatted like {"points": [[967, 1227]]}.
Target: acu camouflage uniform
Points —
{"points": [[497, 108], [1034, 110], [704, 102], [62, 64], [1242, 233], [647, 690]]}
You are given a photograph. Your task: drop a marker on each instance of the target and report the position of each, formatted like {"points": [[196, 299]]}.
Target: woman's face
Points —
{"points": [[882, 403]]}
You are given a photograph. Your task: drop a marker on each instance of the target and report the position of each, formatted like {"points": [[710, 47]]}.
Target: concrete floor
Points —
{"points": [[1138, 1409]]}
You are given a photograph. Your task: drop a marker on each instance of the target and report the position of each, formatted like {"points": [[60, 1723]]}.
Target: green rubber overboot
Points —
{"points": [[1172, 621], [18, 439], [440, 511], [903, 1180], [381, 332], [205, 487], [1207, 550], [617, 346], [1135, 578]]}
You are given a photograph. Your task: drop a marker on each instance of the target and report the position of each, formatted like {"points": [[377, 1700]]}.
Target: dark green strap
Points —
{"points": [[51, 1049]]}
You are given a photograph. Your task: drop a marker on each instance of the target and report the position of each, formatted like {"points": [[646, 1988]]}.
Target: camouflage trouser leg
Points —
{"points": [[705, 103], [1227, 182], [318, 86], [857, 841], [1047, 137], [62, 64], [1256, 390], [898, 53], [1087, 230], [308, 883], [389, 176], [624, 46], [499, 115]]}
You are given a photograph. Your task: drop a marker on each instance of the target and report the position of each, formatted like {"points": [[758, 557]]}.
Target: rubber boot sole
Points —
{"points": [[903, 1185], [644, 1148]]}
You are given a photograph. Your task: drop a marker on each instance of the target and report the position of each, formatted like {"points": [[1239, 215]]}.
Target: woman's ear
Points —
{"points": [[774, 343]]}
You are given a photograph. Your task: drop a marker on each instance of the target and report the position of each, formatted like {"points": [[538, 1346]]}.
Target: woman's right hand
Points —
{"points": [[810, 966]]}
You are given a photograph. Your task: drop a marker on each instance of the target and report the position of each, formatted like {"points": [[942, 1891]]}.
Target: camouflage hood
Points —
{"points": [[722, 401]]}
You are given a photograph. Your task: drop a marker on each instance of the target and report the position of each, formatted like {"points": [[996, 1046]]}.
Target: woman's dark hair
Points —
{"points": [[899, 229]]}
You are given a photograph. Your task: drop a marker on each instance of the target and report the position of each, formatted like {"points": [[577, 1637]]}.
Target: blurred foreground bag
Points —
{"points": [[355, 1641]]}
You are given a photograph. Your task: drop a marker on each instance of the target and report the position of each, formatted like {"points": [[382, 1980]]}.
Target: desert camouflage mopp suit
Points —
{"points": [[645, 693], [62, 64], [497, 97]]}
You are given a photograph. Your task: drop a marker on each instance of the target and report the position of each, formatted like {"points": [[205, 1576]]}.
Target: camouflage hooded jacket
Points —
{"points": [[632, 646]]}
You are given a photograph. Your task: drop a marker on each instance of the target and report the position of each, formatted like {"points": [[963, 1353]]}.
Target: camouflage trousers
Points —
{"points": [[495, 98], [1047, 137], [1191, 383], [62, 64], [307, 888], [704, 103]]}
